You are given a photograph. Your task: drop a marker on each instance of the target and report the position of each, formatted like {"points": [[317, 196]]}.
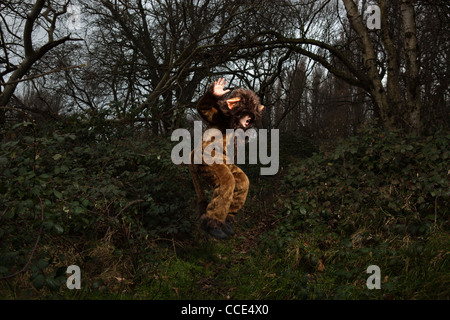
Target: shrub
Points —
{"points": [[82, 180], [380, 179], [377, 198]]}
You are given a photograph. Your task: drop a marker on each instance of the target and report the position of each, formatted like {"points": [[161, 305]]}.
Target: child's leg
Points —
{"points": [[240, 189], [221, 178]]}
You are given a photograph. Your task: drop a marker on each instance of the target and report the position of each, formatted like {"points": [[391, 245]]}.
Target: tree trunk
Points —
{"points": [[413, 93], [394, 113], [376, 89], [393, 66], [31, 55]]}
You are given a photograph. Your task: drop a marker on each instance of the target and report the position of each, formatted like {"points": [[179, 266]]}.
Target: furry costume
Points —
{"points": [[230, 183]]}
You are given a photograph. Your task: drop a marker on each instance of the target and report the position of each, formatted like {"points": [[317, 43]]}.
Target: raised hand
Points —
{"points": [[218, 87]]}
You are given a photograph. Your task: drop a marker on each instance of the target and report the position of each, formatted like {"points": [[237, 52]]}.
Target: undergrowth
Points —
{"points": [[111, 201], [379, 198]]}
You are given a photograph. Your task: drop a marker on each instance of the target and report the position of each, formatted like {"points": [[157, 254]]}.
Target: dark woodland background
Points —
{"points": [[89, 98]]}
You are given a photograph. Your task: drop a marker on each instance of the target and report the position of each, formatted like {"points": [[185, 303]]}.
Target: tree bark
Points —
{"points": [[376, 90], [413, 93], [393, 66]]}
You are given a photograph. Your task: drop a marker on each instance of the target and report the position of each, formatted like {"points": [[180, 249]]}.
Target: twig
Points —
{"points": [[435, 211], [3, 213], [42, 74], [129, 204], [278, 220], [120, 212]]}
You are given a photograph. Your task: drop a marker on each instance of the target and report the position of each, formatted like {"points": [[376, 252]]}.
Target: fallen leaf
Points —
{"points": [[320, 266]]}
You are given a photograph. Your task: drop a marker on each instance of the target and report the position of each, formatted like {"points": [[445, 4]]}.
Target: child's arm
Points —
{"points": [[207, 106]]}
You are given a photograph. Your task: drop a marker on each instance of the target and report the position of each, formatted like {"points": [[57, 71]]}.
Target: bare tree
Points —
{"points": [[433, 41], [378, 55], [175, 47], [148, 61], [26, 17]]}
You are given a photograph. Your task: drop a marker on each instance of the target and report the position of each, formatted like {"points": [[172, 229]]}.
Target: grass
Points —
{"points": [[293, 241], [317, 264], [313, 266]]}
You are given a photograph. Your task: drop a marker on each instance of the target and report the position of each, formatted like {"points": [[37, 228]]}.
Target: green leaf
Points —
{"points": [[57, 156], [25, 124], [3, 270], [58, 229], [38, 281], [57, 194], [302, 210], [48, 225], [53, 284], [42, 264]]}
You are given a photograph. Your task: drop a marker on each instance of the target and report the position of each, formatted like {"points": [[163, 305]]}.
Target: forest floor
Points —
{"points": [[124, 214], [198, 267]]}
